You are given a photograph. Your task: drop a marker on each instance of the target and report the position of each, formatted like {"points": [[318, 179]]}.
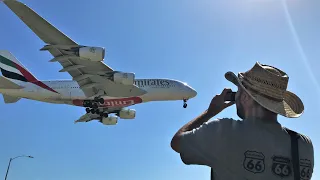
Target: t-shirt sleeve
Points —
{"points": [[203, 145]]}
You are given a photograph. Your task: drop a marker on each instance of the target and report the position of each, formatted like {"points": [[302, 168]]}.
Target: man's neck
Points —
{"points": [[260, 115], [263, 119]]}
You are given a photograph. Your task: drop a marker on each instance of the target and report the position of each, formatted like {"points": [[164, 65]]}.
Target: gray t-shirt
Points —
{"points": [[246, 149]]}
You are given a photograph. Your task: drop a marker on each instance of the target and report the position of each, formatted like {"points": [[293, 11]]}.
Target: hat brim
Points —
{"points": [[290, 107]]}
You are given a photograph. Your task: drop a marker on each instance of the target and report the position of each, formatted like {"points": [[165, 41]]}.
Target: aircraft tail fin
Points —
{"points": [[10, 99], [12, 69]]}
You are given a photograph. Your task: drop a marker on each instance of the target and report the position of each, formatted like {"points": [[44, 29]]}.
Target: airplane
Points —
{"points": [[105, 93]]}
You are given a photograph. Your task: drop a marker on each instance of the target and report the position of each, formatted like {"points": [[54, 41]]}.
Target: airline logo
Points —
{"points": [[114, 102], [121, 102]]}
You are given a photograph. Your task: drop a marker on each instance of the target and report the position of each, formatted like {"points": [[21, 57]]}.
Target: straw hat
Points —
{"points": [[267, 85]]}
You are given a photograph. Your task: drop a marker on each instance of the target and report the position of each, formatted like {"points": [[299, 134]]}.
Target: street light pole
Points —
{"points": [[10, 163], [8, 169]]}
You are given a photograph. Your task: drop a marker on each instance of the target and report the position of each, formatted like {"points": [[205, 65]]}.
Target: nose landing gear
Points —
{"points": [[185, 103]]}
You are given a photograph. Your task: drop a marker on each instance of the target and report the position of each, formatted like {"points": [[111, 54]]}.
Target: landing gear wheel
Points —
{"points": [[185, 105], [87, 103], [97, 111], [84, 104], [93, 111], [98, 100], [88, 110], [95, 106]]}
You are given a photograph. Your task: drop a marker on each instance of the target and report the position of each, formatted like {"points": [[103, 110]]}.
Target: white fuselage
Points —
{"points": [[68, 92]]}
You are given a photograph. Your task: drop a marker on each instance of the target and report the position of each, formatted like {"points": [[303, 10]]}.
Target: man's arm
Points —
{"points": [[216, 106], [195, 123]]}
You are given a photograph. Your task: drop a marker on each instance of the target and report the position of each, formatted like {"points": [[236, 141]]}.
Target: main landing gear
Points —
{"points": [[185, 103], [92, 106], [97, 111]]}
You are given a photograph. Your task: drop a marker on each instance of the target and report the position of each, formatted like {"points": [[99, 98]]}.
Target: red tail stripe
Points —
{"points": [[32, 79]]}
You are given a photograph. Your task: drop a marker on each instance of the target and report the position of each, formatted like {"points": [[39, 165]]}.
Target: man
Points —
{"points": [[257, 147]]}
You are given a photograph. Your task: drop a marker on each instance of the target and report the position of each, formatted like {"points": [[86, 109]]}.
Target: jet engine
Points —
{"points": [[109, 120], [123, 78], [127, 114], [91, 53]]}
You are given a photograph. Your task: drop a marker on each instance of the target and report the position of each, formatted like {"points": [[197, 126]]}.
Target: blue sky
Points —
{"points": [[192, 41]]}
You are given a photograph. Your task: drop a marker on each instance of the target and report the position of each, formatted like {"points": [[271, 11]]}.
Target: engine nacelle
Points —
{"points": [[92, 53], [124, 78], [127, 114], [109, 120]]}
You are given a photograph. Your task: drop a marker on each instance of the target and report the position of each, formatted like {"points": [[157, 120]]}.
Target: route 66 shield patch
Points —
{"points": [[305, 169], [281, 166], [254, 162]]}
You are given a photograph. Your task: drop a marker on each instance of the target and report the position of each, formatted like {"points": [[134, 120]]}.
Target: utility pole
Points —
{"points": [[10, 163]]}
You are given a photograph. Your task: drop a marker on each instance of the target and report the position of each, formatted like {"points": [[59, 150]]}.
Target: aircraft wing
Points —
{"points": [[64, 50], [89, 117]]}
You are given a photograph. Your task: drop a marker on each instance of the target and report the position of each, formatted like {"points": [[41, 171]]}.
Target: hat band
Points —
{"points": [[264, 86], [259, 93]]}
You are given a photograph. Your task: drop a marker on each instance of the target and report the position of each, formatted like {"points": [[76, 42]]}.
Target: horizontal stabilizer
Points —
{"points": [[10, 99], [7, 84]]}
